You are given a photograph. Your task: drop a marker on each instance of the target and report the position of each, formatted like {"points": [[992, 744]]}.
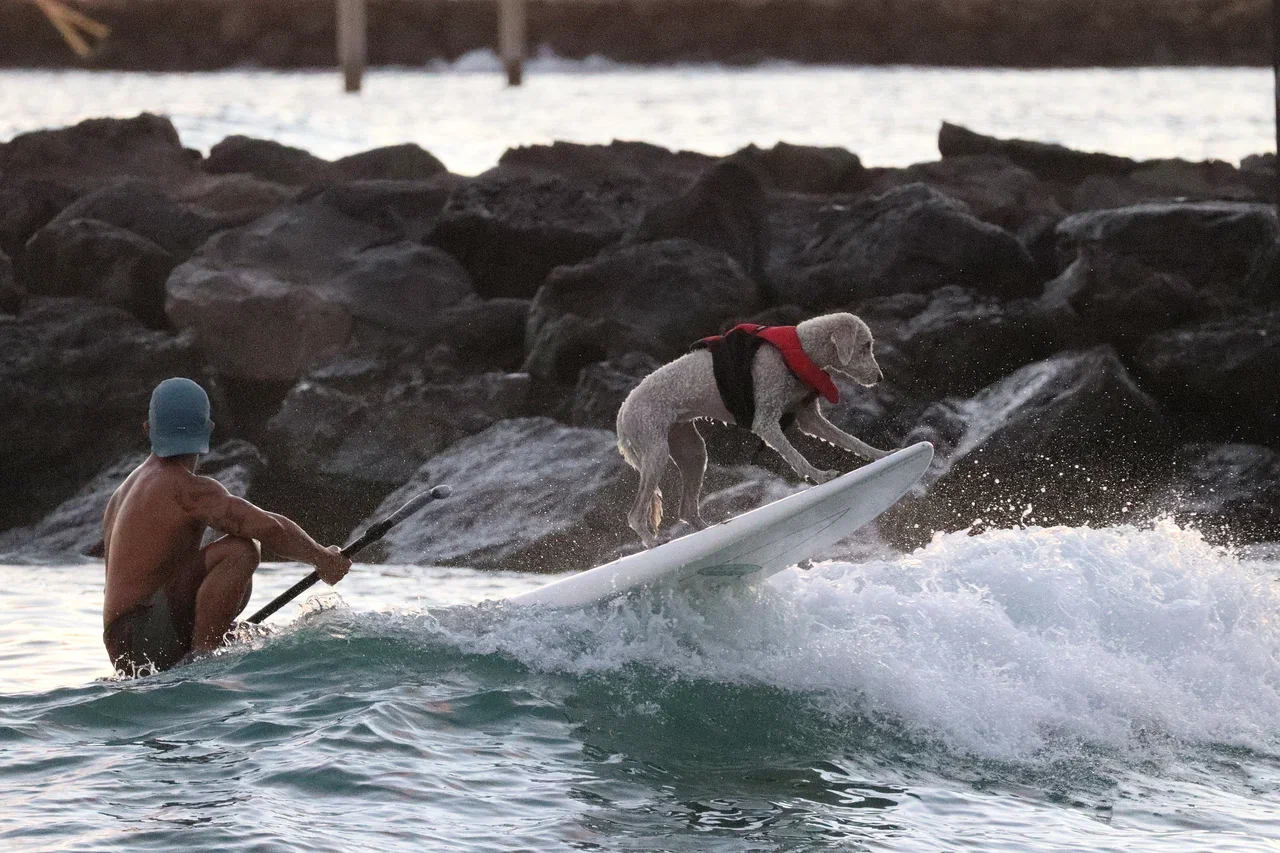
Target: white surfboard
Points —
{"points": [[756, 544]]}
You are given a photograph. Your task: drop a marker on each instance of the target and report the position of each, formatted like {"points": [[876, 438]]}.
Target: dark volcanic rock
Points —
{"points": [[363, 424], [649, 172], [1106, 298], [1229, 492], [993, 188], [510, 230], [963, 342], [1212, 245], [145, 209], [271, 299], [97, 260], [25, 207], [656, 298], [807, 168], [407, 162], [98, 151], [268, 160], [487, 334], [232, 199], [74, 387], [74, 528], [534, 495], [10, 295], [910, 239], [405, 208], [604, 385], [1220, 376], [1046, 160], [723, 210], [1068, 440]]}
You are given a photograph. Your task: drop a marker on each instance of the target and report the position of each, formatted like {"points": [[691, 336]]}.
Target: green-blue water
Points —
{"points": [[1062, 689]]}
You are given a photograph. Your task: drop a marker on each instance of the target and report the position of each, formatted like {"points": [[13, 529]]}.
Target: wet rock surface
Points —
{"points": [[75, 383], [535, 495], [75, 526], [1084, 337]]}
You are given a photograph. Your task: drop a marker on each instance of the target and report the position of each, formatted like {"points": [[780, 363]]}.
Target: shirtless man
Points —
{"points": [[166, 597]]}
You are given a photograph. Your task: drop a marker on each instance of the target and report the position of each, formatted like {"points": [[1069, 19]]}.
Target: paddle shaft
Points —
{"points": [[373, 534]]}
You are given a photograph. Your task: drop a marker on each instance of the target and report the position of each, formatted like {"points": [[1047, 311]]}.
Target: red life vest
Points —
{"points": [[787, 341]]}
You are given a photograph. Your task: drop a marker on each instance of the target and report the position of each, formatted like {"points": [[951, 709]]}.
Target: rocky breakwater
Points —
{"points": [[1085, 338], [180, 35]]}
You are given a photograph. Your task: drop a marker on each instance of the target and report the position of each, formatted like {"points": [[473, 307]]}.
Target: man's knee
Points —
{"points": [[244, 554]]}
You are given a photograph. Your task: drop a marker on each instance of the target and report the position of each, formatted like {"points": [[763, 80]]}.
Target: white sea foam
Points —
{"points": [[1011, 645]]}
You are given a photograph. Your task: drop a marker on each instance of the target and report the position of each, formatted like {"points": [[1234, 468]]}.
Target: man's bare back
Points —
{"points": [[166, 597]]}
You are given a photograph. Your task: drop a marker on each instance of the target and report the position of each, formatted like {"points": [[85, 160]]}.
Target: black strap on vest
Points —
{"points": [[732, 356]]}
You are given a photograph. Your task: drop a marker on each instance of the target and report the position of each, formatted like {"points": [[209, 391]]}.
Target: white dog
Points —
{"points": [[656, 419]]}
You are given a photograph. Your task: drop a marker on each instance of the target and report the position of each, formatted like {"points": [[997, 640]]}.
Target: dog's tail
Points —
{"points": [[655, 511]]}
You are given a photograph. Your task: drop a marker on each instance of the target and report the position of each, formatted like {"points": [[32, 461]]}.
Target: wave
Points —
{"points": [[1032, 647]]}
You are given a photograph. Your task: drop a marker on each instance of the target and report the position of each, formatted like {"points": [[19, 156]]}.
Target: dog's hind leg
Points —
{"points": [[645, 516], [689, 452]]}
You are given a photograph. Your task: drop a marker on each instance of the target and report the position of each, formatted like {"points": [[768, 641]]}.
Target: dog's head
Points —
{"points": [[842, 343]]}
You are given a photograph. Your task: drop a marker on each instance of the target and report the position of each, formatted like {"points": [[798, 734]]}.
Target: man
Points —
{"points": [[166, 597]]}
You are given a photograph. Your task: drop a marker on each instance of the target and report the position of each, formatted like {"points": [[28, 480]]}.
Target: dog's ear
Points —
{"points": [[845, 339]]}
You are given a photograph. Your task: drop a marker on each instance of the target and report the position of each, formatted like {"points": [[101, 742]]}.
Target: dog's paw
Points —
{"points": [[820, 477]]}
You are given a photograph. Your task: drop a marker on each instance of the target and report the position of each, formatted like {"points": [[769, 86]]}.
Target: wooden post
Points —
{"points": [[511, 38], [351, 42]]}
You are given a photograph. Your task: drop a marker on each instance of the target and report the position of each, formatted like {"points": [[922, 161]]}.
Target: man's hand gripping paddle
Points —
{"points": [[373, 534]]}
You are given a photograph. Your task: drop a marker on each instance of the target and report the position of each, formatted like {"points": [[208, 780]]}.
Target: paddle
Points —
{"points": [[373, 534]]}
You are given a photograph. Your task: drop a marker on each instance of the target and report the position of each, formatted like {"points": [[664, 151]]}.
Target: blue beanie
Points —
{"points": [[179, 418]]}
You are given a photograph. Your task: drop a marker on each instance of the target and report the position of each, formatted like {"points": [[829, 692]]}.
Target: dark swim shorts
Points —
{"points": [[147, 636]]}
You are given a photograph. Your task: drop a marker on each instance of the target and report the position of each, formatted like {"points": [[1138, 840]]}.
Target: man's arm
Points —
{"points": [[208, 500]]}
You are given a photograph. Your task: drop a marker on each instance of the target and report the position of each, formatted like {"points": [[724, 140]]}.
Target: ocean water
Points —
{"points": [[464, 114], [1054, 689]]}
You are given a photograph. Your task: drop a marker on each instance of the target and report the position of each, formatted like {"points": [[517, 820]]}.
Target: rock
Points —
{"points": [[1219, 377], [232, 199], [656, 298], [98, 151], [96, 260], [487, 334], [364, 423], [649, 172], [565, 345], [269, 300], [723, 210], [407, 162], [1048, 161], [268, 161], [993, 188], [1212, 245], [910, 239], [25, 207], [604, 385], [74, 388], [1115, 299], [405, 208], [534, 495], [1229, 492], [10, 295], [510, 230], [1068, 440], [145, 209], [74, 528], [807, 168], [963, 342]]}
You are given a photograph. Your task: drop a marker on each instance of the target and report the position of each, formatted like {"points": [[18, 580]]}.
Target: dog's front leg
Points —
{"points": [[770, 430], [812, 422]]}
